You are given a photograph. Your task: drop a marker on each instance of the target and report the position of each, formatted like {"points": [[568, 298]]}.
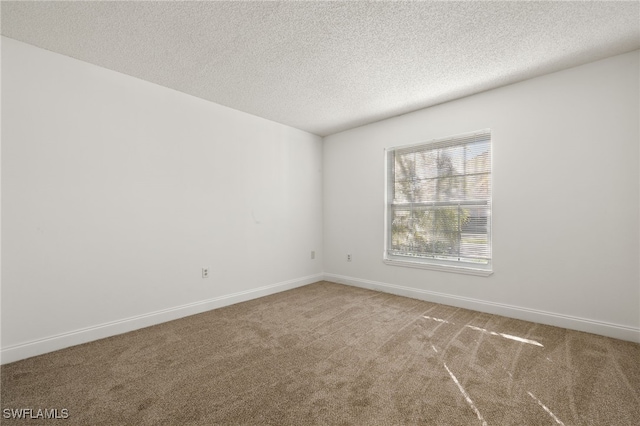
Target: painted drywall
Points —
{"points": [[116, 192], [565, 200]]}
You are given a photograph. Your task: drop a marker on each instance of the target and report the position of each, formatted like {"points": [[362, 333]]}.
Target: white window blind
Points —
{"points": [[438, 208]]}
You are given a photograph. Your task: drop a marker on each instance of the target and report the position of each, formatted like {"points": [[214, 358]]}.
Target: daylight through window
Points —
{"points": [[438, 208]]}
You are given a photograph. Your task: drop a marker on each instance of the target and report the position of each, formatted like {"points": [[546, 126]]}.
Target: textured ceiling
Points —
{"points": [[328, 66]]}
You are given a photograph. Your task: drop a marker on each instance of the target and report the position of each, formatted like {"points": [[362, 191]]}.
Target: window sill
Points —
{"points": [[442, 268]]}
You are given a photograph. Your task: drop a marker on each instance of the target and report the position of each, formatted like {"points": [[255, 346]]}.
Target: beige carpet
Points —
{"points": [[332, 354]]}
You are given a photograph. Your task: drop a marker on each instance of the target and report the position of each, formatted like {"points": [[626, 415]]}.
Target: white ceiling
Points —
{"points": [[325, 67]]}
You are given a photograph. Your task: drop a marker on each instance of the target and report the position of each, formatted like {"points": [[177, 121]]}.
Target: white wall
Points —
{"points": [[116, 191], [565, 200]]}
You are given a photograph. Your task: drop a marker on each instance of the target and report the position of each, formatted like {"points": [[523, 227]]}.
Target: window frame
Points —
{"points": [[445, 265]]}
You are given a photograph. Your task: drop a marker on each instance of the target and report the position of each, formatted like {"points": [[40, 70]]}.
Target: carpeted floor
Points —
{"points": [[332, 354]]}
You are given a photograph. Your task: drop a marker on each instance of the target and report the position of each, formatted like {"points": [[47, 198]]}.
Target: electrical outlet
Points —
{"points": [[348, 257], [313, 254], [205, 272]]}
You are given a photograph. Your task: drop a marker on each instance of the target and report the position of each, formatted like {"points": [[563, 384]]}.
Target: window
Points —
{"points": [[438, 204]]}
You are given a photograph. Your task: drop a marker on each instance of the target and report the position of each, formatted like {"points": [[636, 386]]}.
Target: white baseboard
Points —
{"points": [[88, 334], [565, 321]]}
